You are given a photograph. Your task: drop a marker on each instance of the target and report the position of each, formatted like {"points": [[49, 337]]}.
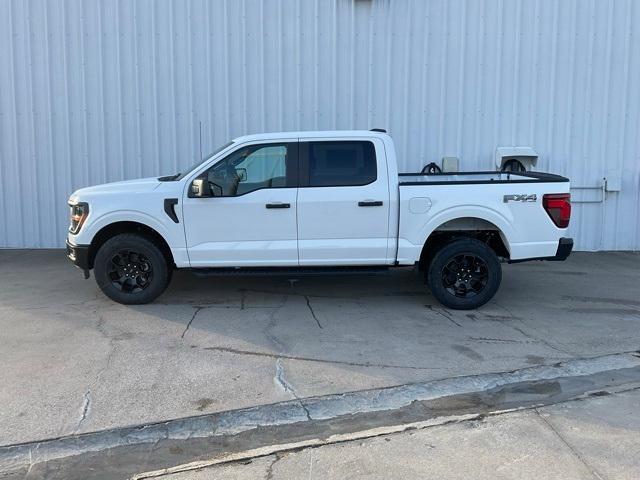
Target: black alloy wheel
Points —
{"points": [[464, 274], [130, 271]]}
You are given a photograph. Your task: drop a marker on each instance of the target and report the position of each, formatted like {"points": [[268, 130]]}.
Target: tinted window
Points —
{"points": [[341, 163], [248, 169]]}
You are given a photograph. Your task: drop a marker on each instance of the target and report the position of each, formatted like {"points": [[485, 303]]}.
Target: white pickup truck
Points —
{"points": [[317, 202]]}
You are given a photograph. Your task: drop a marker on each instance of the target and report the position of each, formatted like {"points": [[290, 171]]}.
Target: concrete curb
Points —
{"points": [[314, 442]]}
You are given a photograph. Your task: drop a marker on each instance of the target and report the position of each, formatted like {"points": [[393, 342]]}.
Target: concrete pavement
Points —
{"points": [[73, 361]]}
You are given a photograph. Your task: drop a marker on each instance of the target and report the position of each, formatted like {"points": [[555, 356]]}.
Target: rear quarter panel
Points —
{"points": [[525, 227]]}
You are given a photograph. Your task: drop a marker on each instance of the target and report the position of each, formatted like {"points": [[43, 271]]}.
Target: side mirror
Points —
{"points": [[199, 187]]}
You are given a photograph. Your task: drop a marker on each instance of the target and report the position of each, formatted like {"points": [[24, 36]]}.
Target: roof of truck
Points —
{"points": [[309, 134]]}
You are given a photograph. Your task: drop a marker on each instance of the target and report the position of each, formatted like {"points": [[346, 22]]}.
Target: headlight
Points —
{"points": [[79, 213]]}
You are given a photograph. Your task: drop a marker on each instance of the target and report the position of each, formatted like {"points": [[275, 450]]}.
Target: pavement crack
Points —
{"points": [[313, 314], [86, 398], [306, 410], [575, 452], [197, 310], [613, 301], [86, 404], [276, 458], [287, 387], [497, 340], [535, 338], [272, 323], [296, 294], [443, 313], [237, 351], [282, 381]]}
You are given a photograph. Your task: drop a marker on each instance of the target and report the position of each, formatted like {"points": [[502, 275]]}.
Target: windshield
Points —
{"points": [[179, 176]]}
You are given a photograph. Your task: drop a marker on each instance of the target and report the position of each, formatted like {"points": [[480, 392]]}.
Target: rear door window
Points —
{"points": [[340, 163]]}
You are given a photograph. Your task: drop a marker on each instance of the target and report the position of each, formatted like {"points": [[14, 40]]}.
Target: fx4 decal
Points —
{"points": [[520, 198]]}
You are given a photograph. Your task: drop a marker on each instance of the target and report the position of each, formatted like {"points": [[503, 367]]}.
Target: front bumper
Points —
{"points": [[565, 246], [79, 255]]}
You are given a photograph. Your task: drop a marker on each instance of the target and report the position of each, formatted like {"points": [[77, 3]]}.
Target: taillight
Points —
{"points": [[558, 206]]}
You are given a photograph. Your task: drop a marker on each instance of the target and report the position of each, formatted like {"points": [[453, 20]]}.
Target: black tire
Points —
{"points": [[464, 274], [131, 269]]}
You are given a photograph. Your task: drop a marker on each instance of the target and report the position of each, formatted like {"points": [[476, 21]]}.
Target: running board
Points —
{"points": [[288, 271]]}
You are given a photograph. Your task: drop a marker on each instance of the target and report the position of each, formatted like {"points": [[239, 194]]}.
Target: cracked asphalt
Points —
{"points": [[72, 361]]}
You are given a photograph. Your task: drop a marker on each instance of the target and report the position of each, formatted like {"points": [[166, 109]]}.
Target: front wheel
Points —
{"points": [[131, 269], [464, 274]]}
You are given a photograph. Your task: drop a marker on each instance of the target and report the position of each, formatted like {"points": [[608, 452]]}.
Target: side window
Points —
{"points": [[249, 169], [345, 163]]}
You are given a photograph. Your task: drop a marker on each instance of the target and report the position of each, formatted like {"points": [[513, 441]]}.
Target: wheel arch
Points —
{"points": [[127, 226], [460, 227]]}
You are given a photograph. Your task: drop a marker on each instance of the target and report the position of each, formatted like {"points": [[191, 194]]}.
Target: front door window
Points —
{"points": [[249, 169]]}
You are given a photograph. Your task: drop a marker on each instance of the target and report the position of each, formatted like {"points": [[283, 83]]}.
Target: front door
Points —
{"points": [[343, 202], [250, 219]]}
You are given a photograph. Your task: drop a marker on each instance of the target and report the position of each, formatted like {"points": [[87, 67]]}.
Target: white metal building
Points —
{"points": [[97, 91]]}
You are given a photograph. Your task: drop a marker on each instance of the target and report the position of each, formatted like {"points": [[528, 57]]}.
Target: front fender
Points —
{"points": [[171, 232], [93, 226]]}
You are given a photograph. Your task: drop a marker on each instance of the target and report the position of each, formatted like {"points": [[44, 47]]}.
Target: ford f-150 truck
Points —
{"points": [[317, 202]]}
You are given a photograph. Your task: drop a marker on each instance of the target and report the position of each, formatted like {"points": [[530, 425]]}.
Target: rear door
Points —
{"points": [[343, 202]]}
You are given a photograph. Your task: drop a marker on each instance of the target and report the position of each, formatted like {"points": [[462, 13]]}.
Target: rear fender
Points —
{"points": [[502, 223]]}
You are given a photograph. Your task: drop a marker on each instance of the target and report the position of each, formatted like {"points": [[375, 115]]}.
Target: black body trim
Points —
{"points": [[278, 205], [169, 178], [79, 255], [290, 271], [565, 246], [375, 203], [169, 204], [533, 177]]}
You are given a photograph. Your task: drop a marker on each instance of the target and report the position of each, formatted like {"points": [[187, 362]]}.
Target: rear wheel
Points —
{"points": [[131, 269], [464, 274]]}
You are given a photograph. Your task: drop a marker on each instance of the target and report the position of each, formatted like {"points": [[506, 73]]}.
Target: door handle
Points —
{"points": [[370, 203], [278, 205]]}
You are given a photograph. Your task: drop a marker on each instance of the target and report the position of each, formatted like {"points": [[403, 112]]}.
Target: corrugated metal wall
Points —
{"points": [[98, 91]]}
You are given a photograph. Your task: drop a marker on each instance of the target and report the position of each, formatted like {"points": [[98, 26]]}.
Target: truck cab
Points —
{"points": [[314, 202]]}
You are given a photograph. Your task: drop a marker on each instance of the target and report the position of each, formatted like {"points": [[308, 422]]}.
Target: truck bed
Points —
{"points": [[482, 177], [509, 203]]}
